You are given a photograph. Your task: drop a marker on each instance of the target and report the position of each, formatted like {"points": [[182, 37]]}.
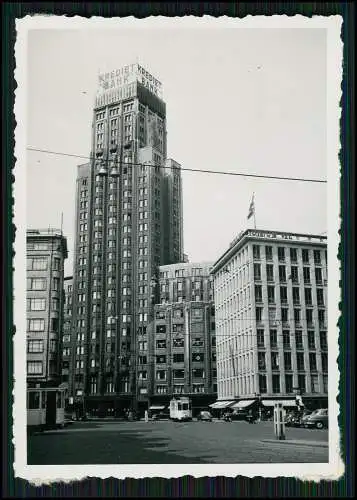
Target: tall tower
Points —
{"points": [[128, 209]]}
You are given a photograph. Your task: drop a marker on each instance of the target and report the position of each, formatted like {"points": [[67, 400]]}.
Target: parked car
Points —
{"points": [[204, 416], [161, 415], [317, 419]]}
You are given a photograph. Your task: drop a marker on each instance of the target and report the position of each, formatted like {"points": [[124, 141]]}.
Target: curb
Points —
{"points": [[316, 444]]}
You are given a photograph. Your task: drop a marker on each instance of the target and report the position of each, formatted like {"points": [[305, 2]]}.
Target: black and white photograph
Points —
{"points": [[177, 196]]}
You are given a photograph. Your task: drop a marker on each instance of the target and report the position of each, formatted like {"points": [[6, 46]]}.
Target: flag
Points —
{"points": [[251, 208]]}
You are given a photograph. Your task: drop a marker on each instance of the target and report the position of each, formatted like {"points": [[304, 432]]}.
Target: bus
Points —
{"points": [[45, 408], [180, 409]]}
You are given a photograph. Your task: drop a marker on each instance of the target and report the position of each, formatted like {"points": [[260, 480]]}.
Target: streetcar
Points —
{"points": [[45, 408], [181, 409]]}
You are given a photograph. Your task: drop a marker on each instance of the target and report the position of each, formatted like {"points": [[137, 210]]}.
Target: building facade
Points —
{"points": [[67, 333], [128, 222], [46, 252], [183, 352], [270, 292]]}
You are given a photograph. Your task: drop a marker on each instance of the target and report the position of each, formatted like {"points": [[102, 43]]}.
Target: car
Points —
{"points": [[161, 415], [204, 416], [318, 419]]}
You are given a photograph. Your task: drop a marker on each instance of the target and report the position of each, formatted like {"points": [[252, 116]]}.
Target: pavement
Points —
{"points": [[114, 442]]}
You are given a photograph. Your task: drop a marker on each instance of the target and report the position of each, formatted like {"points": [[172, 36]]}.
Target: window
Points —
{"points": [[306, 273], [34, 367], [281, 254], [160, 328], [325, 383], [261, 361], [305, 256], [297, 316], [270, 272], [312, 360], [300, 361], [179, 358], [296, 295], [276, 384], [161, 344], [315, 383], [283, 295], [161, 359], [294, 274], [273, 338], [293, 254], [309, 318], [311, 339], [321, 315], [258, 314], [286, 339], [282, 274], [198, 373], [271, 294], [275, 361], [33, 400], [284, 315], [36, 325], [37, 264], [260, 338], [36, 304], [308, 296], [262, 384], [197, 342], [56, 264], [324, 362], [178, 342], [320, 296], [160, 374], [258, 293], [257, 272], [256, 251], [269, 253], [36, 284], [317, 257], [288, 384], [302, 383], [178, 374], [287, 360], [318, 275], [298, 339], [35, 346], [323, 340], [197, 357]]}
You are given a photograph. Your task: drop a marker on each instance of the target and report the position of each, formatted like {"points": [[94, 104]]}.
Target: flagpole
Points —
{"points": [[255, 223]]}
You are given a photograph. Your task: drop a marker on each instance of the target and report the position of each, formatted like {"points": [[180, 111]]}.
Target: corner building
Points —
{"points": [[270, 293], [46, 252], [183, 348], [128, 222]]}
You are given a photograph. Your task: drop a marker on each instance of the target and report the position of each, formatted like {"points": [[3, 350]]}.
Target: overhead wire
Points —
{"points": [[217, 172]]}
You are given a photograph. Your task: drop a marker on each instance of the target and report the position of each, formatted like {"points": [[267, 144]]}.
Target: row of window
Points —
{"points": [[286, 338], [258, 289], [41, 284], [40, 304], [289, 387], [282, 251], [300, 361], [42, 263], [297, 318], [293, 276]]}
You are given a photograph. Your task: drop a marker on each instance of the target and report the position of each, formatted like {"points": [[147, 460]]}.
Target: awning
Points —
{"points": [[243, 404], [287, 403], [157, 407], [220, 404]]}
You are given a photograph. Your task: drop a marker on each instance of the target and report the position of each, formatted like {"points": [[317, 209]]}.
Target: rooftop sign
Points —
{"points": [[126, 75], [255, 233]]}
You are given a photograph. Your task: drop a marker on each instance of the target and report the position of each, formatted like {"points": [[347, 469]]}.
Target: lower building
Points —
{"points": [[183, 352], [270, 292]]}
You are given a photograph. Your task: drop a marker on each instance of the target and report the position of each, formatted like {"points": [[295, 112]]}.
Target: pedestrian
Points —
{"points": [[146, 416]]}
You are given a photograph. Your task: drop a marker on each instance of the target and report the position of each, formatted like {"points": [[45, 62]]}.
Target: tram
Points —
{"points": [[45, 408], [181, 409]]}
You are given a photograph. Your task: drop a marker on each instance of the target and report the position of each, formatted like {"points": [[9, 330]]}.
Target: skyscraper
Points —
{"points": [[128, 222]]}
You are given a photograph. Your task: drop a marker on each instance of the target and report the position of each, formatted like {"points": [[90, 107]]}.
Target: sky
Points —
{"points": [[241, 100]]}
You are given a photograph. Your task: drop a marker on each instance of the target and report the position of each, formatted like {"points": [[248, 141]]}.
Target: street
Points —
{"points": [[112, 442]]}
